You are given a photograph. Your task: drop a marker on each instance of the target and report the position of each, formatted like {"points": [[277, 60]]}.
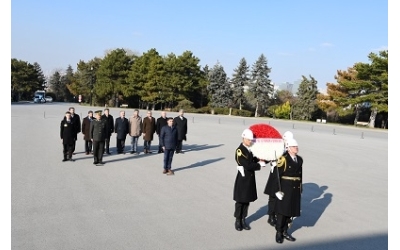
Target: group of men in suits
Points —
{"points": [[98, 128]]}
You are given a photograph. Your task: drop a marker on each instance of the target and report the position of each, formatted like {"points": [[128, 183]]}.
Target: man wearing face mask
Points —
{"points": [[286, 184]]}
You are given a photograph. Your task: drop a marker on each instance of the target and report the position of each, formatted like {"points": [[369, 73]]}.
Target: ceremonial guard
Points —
{"points": [[285, 183], [245, 190]]}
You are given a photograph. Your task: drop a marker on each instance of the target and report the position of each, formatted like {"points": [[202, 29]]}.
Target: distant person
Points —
{"points": [[86, 132], [181, 125], [245, 189], [161, 122], [149, 128], [109, 119], [287, 187], [168, 140], [98, 131], [67, 135], [135, 130], [121, 129]]}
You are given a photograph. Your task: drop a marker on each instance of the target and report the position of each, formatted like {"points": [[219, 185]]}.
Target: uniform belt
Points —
{"points": [[291, 178]]}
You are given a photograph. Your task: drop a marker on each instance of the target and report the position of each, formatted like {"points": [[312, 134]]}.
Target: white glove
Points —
{"points": [[262, 163], [241, 170], [273, 165], [279, 195]]}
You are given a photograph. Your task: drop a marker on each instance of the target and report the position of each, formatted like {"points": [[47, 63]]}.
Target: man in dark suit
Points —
{"points": [[121, 128], [67, 135], [161, 122], [76, 119], [181, 125], [168, 141], [109, 119], [98, 136], [86, 132]]}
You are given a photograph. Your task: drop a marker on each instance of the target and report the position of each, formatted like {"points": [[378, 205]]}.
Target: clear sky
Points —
{"points": [[309, 37]]}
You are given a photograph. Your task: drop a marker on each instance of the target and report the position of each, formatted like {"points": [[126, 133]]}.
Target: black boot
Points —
{"points": [[279, 237], [272, 220], [244, 225], [238, 225], [288, 236]]}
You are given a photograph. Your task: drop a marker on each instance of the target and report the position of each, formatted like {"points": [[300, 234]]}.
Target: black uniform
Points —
{"points": [[98, 134], [245, 189], [290, 179], [68, 135], [161, 122], [109, 130]]}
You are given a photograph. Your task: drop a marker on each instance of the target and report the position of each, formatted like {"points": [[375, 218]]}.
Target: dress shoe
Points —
{"points": [[170, 172], [64, 160], [165, 171], [94, 163], [71, 159], [288, 236], [244, 225], [272, 220], [279, 237], [87, 153], [238, 225]]}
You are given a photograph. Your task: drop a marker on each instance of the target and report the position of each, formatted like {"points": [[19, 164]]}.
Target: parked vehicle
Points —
{"points": [[48, 99], [39, 99]]}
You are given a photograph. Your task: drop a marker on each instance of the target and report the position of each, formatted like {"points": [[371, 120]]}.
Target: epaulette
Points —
{"points": [[239, 154], [281, 163]]}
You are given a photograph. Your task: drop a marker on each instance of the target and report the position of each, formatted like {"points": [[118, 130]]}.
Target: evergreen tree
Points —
{"points": [[239, 80], [306, 103], [111, 76], [260, 85], [219, 88]]}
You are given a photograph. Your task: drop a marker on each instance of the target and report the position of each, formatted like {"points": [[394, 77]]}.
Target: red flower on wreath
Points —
{"points": [[262, 130]]}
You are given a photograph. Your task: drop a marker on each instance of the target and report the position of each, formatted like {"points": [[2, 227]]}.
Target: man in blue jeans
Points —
{"points": [[168, 141]]}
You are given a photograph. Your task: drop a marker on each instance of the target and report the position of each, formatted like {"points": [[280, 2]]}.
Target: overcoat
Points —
{"points": [[109, 124], [135, 126], [86, 128], [161, 122], [290, 179], [149, 128], [245, 189], [67, 131], [181, 126], [121, 127]]}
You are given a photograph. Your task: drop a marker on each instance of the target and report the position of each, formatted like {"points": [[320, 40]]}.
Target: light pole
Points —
{"points": [[91, 86]]}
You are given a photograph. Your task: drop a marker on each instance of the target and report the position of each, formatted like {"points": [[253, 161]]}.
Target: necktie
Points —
{"points": [[295, 159]]}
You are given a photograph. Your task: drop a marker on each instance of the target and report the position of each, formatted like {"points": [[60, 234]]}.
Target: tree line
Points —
{"points": [[153, 81]]}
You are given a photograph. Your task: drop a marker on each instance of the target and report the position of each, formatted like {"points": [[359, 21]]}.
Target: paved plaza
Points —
{"points": [[129, 204]]}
